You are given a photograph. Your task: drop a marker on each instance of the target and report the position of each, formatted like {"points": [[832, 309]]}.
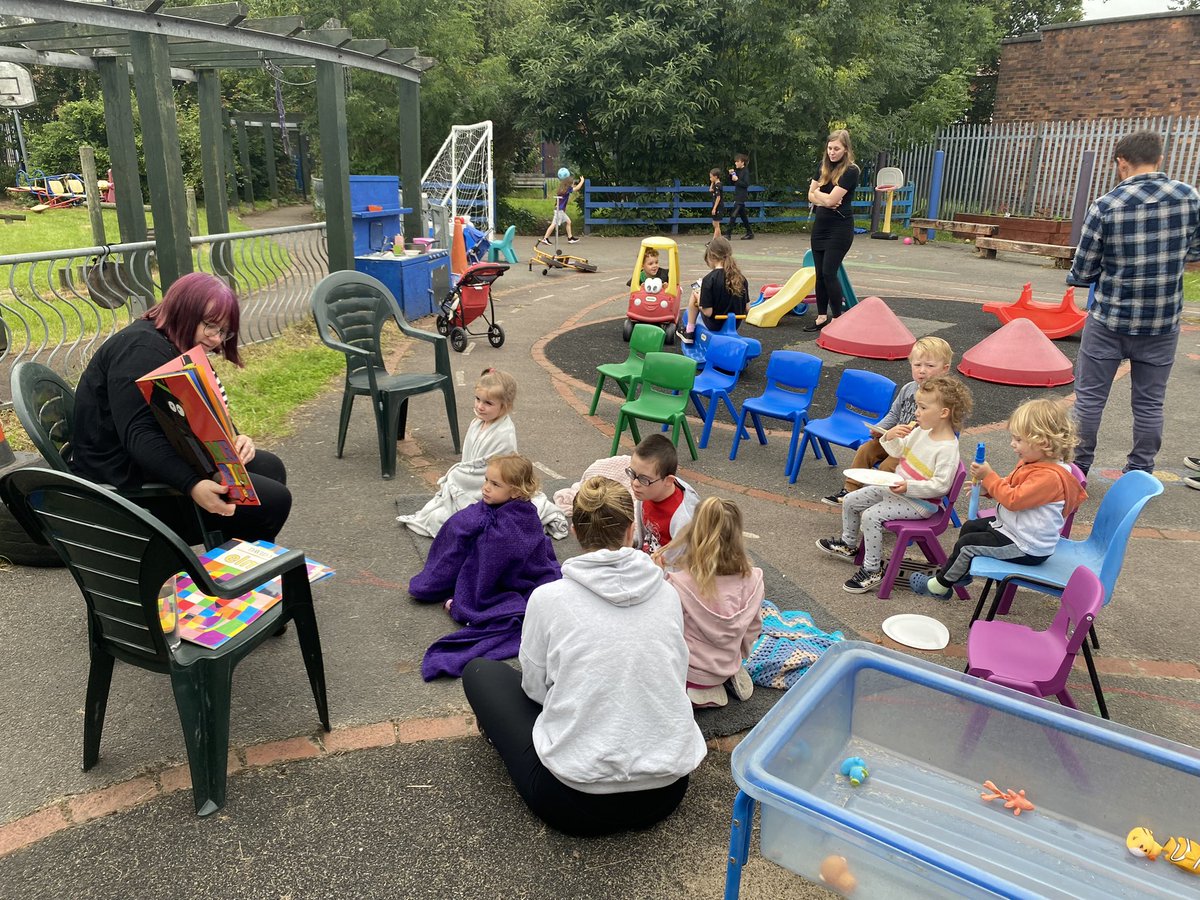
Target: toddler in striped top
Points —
{"points": [[928, 452]]}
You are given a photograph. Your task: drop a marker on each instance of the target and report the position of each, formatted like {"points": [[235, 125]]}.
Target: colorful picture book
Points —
{"points": [[210, 621], [190, 407]]}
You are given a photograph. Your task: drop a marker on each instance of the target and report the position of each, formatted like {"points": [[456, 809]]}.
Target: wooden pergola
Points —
{"points": [[192, 44]]}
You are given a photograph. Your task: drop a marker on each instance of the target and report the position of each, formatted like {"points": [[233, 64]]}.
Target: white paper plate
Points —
{"points": [[873, 476], [918, 632]]}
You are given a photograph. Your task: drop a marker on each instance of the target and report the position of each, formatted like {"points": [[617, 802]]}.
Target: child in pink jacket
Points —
{"points": [[721, 595]]}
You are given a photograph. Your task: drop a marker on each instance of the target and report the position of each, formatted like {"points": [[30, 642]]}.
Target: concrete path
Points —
{"points": [[403, 798]]}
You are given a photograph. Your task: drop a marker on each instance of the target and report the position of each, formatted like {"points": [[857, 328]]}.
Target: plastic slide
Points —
{"points": [[768, 313]]}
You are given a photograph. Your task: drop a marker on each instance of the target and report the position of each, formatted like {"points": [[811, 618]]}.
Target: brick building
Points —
{"points": [[1109, 68]]}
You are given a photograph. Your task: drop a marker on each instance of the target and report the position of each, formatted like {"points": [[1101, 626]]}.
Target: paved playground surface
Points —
{"points": [[403, 798]]}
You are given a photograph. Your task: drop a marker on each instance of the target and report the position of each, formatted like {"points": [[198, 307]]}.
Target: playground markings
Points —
{"points": [[539, 299], [459, 378], [467, 352], [549, 471], [582, 287], [614, 278]]}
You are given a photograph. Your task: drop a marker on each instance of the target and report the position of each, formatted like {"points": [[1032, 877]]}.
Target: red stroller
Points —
{"points": [[470, 299]]}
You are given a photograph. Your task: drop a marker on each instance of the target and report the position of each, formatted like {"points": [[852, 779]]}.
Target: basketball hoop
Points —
{"points": [[16, 86], [889, 180]]}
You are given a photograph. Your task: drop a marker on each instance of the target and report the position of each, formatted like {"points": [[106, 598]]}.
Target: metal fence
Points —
{"points": [[1032, 168], [58, 307]]}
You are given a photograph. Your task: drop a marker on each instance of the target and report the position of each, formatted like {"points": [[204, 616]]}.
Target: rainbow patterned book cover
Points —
{"points": [[209, 621]]}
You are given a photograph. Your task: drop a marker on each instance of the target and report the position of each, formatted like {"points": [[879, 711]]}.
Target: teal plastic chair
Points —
{"points": [[645, 339], [667, 380], [45, 406], [120, 556], [351, 309], [504, 247]]}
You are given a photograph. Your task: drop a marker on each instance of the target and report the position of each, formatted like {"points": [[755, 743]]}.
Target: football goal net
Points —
{"points": [[460, 177]]}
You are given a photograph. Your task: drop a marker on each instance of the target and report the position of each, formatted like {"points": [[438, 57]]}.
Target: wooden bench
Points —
{"points": [[532, 182], [12, 217], [922, 227], [986, 247]]}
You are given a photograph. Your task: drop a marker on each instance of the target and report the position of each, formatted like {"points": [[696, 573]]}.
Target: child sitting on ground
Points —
{"points": [[929, 461], [491, 433], [483, 565], [1032, 502], [721, 594], [664, 502], [929, 357]]}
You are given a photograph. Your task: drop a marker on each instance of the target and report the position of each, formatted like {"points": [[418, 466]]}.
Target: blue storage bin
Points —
{"points": [[411, 279], [917, 826]]}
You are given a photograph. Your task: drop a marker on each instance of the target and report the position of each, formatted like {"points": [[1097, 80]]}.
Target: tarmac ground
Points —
{"points": [[403, 798]]}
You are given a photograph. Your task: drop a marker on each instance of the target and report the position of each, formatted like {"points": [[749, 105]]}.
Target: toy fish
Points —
{"points": [[1014, 800], [1181, 851]]}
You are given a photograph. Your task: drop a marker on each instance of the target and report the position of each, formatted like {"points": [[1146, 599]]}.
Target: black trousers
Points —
{"points": [[506, 715], [250, 523], [829, 249], [739, 210], [977, 537]]}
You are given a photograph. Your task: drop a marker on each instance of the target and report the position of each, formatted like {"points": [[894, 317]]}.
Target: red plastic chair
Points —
{"points": [[1039, 662], [924, 533]]}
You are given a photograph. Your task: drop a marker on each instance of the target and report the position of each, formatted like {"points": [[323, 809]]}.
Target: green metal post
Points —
{"points": [[335, 162], [410, 156], [247, 172], [122, 150], [160, 145], [268, 134]]}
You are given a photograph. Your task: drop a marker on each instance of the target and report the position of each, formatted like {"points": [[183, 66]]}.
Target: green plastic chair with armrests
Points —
{"points": [[45, 405], [666, 381], [645, 339], [351, 309], [120, 556]]}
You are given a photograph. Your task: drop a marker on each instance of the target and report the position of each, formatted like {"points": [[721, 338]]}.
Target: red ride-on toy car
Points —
{"points": [[467, 301], [654, 295]]}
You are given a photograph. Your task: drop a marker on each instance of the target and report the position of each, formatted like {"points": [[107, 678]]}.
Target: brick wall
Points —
{"points": [[1134, 66]]}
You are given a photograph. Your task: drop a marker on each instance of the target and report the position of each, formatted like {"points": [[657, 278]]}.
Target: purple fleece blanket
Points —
{"points": [[489, 559]]}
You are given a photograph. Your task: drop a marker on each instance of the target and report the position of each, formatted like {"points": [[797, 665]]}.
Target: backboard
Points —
{"points": [[16, 86]]}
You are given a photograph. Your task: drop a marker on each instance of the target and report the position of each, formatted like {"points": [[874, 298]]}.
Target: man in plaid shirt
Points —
{"points": [[1133, 246]]}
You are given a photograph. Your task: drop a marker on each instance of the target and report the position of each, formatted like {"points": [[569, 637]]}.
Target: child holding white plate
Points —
{"points": [[928, 454]]}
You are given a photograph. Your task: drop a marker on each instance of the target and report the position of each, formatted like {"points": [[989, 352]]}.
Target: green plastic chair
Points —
{"points": [[45, 405], [645, 339], [504, 247], [120, 556], [666, 381], [351, 309]]}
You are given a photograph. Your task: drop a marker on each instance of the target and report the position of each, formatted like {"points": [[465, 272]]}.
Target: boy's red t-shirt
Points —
{"points": [[656, 520]]}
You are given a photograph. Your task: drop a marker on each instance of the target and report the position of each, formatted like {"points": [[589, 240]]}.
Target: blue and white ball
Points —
{"points": [[564, 172]]}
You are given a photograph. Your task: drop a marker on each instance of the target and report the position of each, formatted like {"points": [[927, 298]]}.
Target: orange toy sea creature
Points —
{"points": [[1181, 851], [1014, 800]]}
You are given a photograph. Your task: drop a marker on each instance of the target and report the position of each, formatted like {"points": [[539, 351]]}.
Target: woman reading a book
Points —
{"points": [[118, 440]]}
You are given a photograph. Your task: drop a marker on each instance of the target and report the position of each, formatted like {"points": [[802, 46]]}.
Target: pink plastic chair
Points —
{"points": [[1039, 662], [924, 533]]}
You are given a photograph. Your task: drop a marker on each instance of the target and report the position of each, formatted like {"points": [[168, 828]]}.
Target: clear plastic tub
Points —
{"points": [[930, 737]]}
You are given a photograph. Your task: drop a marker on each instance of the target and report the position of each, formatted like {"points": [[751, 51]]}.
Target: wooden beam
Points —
{"points": [[122, 150], [247, 170], [160, 145], [371, 47], [268, 139], [212, 157], [335, 156], [410, 156]]}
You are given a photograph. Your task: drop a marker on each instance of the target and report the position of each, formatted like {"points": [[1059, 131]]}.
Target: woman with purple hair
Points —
{"points": [[117, 440]]}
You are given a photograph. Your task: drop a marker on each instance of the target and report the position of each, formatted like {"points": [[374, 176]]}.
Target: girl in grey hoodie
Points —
{"points": [[596, 730]]}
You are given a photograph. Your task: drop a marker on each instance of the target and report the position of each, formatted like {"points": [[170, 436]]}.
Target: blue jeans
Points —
{"points": [[1101, 352]]}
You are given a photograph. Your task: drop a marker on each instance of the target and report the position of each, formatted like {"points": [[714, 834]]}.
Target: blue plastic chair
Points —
{"points": [[504, 247], [728, 328], [723, 363], [1102, 551], [792, 379], [862, 398], [697, 349]]}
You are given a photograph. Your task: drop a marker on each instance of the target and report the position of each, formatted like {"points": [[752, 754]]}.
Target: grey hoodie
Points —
{"points": [[603, 651]]}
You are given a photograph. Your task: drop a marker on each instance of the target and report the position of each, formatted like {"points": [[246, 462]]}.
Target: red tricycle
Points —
{"points": [[467, 301], [654, 287]]}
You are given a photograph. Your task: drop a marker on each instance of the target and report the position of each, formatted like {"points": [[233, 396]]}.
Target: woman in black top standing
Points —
{"points": [[118, 441], [832, 193]]}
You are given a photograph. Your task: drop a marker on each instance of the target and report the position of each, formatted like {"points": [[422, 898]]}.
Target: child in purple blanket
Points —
{"points": [[483, 565]]}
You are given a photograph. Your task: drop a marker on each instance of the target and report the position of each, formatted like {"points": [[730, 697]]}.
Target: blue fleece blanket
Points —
{"points": [[489, 559]]}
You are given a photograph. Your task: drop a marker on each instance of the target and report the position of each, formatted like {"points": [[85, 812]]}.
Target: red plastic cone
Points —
{"points": [[868, 329], [458, 250], [1019, 353]]}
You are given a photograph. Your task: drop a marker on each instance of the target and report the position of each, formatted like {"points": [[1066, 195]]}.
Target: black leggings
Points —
{"points": [[739, 210], [977, 537], [828, 259], [250, 523], [506, 715]]}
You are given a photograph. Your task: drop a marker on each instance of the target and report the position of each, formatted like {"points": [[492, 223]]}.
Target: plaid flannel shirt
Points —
{"points": [[1134, 243]]}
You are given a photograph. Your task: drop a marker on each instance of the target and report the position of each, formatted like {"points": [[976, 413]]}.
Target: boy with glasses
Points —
{"points": [[664, 502]]}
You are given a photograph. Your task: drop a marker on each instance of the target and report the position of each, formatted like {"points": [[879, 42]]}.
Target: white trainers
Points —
{"points": [[708, 697], [741, 684], [1192, 462]]}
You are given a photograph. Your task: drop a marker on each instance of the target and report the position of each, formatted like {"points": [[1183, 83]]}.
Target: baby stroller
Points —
{"points": [[470, 299]]}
